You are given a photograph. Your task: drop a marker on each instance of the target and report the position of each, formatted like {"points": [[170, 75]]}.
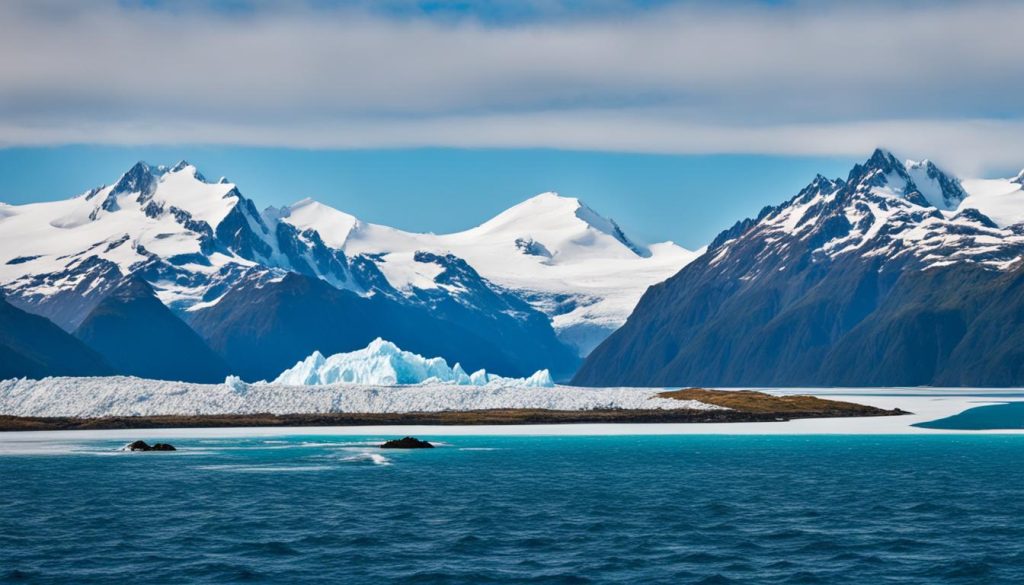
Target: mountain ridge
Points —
{"points": [[192, 239], [797, 296], [193, 242]]}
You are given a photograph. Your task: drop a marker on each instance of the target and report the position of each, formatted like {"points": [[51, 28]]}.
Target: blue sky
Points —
{"points": [[656, 112]]}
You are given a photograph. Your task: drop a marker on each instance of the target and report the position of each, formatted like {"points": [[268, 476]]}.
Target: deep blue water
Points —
{"points": [[680, 509], [990, 417]]}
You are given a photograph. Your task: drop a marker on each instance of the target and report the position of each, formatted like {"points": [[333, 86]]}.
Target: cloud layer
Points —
{"points": [[941, 80]]}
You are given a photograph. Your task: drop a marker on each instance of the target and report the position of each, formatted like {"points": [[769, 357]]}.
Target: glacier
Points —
{"points": [[384, 363], [94, 397]]}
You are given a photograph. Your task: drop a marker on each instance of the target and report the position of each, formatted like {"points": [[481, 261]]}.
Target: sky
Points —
{"points": [[676, 118]]}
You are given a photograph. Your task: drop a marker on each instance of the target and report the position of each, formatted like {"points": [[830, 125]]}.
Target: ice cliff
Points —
{"points": [[384, 363]]}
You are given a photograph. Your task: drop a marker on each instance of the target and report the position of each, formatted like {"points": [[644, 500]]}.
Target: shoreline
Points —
{"points": [[442, 418]]}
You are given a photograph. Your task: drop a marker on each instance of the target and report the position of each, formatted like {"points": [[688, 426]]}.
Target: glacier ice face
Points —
{"points": [[125, 396], [384, 363]]}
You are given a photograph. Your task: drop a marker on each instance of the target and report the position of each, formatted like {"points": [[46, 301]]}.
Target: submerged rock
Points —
{"points": [[406, 443], [144, 446]]}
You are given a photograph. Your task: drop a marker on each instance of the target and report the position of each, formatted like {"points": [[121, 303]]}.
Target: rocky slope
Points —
{"points": [[31, 346], [889, 277], [139, 336]]}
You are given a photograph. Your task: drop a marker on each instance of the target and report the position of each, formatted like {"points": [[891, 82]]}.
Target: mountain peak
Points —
{"points": [[191, 169], [139, 167], [556, 216], [881, 162], [135, 180], [923, 163], [820, 184], [138, 179], [940, 189], [551, 198], [881, 171], [548, 207], [882, 159], [920, 182], [333, 225]]}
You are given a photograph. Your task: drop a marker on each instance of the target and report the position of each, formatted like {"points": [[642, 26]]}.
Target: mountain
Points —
{"points": [[892, 276], [31, 346], [140, 336], [530, 289], [577, 267], [187, 237], [264, 328]]}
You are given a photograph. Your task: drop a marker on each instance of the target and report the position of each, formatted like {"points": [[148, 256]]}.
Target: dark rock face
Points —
{"points": [[140, 336], [849, 283], [33, 347], [144, 446], [243, 232], [307, 254], [139, 179], [406, 443], [532, 247]]}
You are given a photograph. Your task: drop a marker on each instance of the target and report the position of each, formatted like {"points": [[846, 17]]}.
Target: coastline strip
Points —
{"points": [[444, 418]]}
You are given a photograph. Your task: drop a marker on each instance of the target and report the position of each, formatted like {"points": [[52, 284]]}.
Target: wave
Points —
{"points": [[375, 458]]}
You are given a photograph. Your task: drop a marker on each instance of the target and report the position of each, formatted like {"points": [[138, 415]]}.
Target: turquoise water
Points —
{"points": [[663, 509], [991, 417]]}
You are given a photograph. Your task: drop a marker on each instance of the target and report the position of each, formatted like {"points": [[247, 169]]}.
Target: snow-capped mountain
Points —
{"points": [[186, 236], [569, 262], [550, 264], [896, 275]]}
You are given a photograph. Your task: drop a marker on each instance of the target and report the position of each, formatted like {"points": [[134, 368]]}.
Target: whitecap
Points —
{"points": [[375, 458]]}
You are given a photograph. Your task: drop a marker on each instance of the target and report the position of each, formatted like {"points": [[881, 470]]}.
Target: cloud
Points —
{"points": [[942, 80]]}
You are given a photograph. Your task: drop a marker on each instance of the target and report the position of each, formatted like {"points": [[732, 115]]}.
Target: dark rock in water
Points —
{"points": [[138, 446], [407, 443], [144, 446]]}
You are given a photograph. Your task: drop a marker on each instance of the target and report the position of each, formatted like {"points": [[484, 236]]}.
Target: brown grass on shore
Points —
{"points": [[749, 401]]}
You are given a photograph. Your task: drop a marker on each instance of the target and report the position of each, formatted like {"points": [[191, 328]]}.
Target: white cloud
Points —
{"points": [[942, 80]]}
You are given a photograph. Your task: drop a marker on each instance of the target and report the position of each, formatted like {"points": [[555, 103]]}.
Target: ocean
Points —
{"points": [[520, 509]]}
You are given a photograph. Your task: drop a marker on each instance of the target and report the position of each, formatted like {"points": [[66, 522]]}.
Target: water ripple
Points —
{"points": [[776, 510]]}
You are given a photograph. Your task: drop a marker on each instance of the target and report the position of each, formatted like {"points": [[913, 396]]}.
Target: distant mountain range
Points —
{"points": [[165, 274], [900, 274]]}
